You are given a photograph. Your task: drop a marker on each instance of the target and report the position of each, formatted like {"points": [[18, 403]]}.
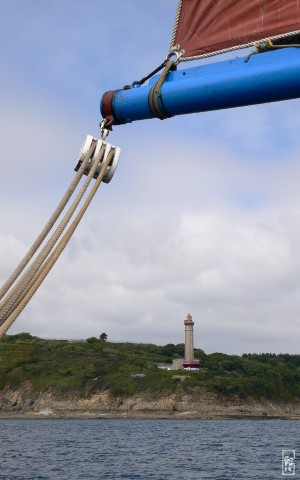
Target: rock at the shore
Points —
{"points": [[199, 404]]}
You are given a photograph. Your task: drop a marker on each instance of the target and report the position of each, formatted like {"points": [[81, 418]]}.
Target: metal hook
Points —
{"points": [[104, 131]]}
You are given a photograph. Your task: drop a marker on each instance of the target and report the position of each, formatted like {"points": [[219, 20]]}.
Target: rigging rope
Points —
{"points": [[41, 237], [138, 83], [178, 11], [155, 92], [43, 272], [13, 297]]}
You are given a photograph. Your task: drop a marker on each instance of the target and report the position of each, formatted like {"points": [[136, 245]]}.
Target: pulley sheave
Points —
{"points": [[89, 140]]}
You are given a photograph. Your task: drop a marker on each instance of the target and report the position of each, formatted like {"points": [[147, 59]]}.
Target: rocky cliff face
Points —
{"points": [[199, 404]]}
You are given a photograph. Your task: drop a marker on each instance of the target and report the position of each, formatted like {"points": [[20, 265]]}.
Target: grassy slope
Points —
{"points": [[97, 365]]}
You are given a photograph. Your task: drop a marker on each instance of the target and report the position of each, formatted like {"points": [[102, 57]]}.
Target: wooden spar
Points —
{"points": [[267, 77]]}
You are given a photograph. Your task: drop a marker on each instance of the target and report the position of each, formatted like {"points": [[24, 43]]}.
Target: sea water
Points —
{"points": [[147, 449]]}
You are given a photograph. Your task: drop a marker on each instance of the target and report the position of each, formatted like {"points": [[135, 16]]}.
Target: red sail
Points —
{"points": [[207, 27]]}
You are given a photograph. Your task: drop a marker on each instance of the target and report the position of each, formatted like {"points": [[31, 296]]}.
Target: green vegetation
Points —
{"points": [[99, 365]]}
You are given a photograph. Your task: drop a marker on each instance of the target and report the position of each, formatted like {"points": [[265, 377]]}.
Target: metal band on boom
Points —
{"points": [[107, 109]]}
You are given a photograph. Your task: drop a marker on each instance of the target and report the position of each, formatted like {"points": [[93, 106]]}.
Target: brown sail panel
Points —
{"points": [[207, 27]]}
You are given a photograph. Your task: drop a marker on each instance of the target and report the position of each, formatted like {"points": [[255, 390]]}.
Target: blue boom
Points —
{"points": [[266, 77]]}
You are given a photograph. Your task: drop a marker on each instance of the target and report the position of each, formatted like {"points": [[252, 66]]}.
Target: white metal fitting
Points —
{"points": [[84, 150], [175, 51]]}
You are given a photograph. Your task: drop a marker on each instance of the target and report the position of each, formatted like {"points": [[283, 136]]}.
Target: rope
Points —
{"points": [[58, 250], [12, 299], [41, 237], [238, 47], [176, 23], [138, 83], [154, 93]]}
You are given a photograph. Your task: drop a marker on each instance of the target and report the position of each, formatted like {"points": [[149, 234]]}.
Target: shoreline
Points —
{"points": [[142, 416], [25, 403]]}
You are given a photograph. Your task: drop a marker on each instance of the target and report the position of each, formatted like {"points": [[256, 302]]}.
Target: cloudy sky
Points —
{"points": [[201, 217]]}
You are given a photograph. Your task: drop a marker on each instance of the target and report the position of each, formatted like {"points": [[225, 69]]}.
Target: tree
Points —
{"points": [[92, 340], [103, 337]]}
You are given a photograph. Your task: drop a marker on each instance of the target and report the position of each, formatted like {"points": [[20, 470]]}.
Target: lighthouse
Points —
{"points": [[189, 339], [189, 362]]}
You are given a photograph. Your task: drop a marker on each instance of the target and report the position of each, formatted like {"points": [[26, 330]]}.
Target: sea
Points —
{"points": [[149, 449]]}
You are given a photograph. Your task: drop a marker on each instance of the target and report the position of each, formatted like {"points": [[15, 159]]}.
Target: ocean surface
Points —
{"points": [[146, 449]]}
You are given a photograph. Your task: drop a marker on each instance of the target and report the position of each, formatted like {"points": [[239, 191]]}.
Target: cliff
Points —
{"points": [[25, 402]]}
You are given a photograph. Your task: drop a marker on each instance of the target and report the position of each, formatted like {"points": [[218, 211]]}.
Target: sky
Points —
{"points": [[202, 215]]}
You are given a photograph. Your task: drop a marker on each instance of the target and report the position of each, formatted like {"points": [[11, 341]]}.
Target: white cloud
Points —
{"points": [[136, 280]]}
